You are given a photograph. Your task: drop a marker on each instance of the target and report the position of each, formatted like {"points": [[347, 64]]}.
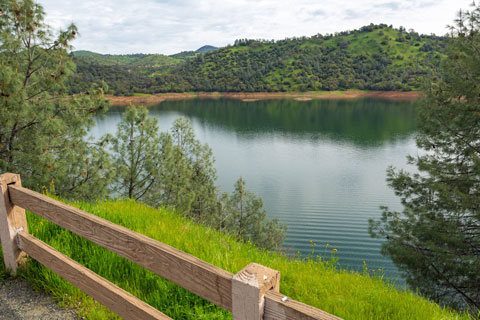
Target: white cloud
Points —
{"points": [[156, 26]]}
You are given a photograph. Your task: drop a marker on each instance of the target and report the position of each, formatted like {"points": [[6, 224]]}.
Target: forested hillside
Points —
{"points": [[375, 57], [122, 73], [132, 60]]}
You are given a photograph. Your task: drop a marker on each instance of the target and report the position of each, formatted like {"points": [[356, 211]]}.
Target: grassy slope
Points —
{"points": [[348, 295]]}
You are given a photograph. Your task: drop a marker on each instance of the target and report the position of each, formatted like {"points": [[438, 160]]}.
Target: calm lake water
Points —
{"points": [[318, 165]]}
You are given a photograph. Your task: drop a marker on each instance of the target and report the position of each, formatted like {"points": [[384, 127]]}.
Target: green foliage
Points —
{"points": [[136, 151], [436, 239], [174, 170], [375, 57], [185, 177], [311, 281], [244, 215], [202, 174], [131, 60], [125, 74], [169, 170], [42, 127]]}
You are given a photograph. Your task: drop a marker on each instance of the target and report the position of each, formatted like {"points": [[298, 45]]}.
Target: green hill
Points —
{"points": [[375, 57], [132, 60], [184, 54], [192, 54], [315, 281], [123, 73]]}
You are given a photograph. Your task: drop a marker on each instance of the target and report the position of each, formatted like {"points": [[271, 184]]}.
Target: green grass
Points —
{"points": [[315, 282]]}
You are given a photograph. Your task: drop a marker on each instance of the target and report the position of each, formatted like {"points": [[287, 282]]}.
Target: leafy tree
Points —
{"points": [[42, 127], [435, 241], [244, 215]]}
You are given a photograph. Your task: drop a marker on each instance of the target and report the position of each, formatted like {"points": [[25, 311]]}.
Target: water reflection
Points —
{"points": [[359, 121], [318, 165]]}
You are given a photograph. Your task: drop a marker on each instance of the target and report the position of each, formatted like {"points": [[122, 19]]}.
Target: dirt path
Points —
{"points": [[19, 302]]}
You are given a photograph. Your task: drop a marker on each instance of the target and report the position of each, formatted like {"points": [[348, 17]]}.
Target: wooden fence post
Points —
{"points": [[248, 291], [12, 220]]}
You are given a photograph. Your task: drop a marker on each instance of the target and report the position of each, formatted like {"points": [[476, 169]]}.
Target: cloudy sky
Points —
{"points": [[171, 26]]}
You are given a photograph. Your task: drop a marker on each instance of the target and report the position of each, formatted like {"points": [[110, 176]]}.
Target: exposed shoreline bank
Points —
{"points": [[255, 96]]}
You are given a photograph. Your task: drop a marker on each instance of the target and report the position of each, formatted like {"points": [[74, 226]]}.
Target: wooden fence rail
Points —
{"points": [[252, 293]]}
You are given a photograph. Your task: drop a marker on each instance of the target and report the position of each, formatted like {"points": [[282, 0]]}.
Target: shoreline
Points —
{"points": [[153, 99]]}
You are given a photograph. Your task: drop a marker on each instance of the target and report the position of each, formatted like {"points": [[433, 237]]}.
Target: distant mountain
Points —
{"points": [[206, 48], [374, 57], [191, 54]]}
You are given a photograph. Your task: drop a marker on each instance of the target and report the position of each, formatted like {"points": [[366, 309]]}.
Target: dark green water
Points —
{"points": [[318, 165]]}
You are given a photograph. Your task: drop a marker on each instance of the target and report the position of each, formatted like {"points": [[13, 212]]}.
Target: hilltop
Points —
{"points": [[206, 48], [374, 57], [192, 54]]}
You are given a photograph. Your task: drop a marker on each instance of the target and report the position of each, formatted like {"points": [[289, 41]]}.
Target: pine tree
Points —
{"points": [[42, 127], [244, 215], [137, 154], [201, 171], [173, 187], [174, 170], [435, 241], [171, 170]]}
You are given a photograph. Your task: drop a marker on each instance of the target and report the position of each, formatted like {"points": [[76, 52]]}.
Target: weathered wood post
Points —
{"points": [[12, 220], [248, 291]]}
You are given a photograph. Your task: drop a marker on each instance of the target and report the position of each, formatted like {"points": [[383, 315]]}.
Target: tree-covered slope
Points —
{"points": [[139, 59], [122, 73], [375, 57], [372, 58]]}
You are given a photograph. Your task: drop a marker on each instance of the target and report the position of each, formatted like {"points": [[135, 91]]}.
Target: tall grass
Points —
{"points": [[312, 281]]}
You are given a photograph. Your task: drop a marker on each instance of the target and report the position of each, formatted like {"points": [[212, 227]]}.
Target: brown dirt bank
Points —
{"points": [[396, 95], [254, 96]]}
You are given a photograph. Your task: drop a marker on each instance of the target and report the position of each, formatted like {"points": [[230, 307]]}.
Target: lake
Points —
{"points": [[319, 165]]}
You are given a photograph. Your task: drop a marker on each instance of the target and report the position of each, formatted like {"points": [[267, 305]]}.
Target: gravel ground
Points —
{"points": [[19, 301]]}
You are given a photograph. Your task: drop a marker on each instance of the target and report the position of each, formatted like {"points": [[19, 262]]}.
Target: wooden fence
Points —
{"points": [[252, 293]]}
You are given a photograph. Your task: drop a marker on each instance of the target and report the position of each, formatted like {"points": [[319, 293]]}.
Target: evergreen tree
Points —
{"points": [[244, 215], [173, 187], [42, 126], [435, 241], [201, 172], [162, 169], [176, 171], [137, 154]]}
